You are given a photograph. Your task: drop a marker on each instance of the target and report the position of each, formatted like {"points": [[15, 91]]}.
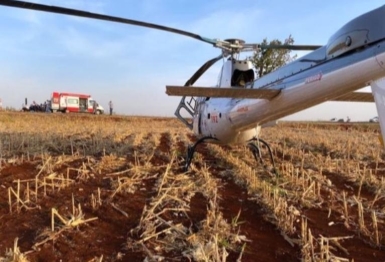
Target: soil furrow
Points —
{"points": [[267, 244]]}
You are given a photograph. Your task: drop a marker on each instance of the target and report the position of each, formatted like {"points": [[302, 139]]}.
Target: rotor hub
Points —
{"points": [[235, 41]]}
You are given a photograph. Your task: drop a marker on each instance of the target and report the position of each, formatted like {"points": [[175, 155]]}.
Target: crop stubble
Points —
{"points": [[117, 183]]}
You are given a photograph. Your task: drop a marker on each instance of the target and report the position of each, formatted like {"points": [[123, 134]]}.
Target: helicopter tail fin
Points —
{"points": [[378, 91]]}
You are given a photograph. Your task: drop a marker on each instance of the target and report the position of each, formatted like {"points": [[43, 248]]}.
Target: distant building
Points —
{"points": [[1, 104]]}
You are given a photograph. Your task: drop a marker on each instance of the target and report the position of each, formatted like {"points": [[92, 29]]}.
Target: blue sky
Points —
{"points": [[41, 53]]}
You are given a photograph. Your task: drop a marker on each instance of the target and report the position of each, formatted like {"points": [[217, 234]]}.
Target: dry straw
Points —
{"points": [[14, 255], [76, 218]]}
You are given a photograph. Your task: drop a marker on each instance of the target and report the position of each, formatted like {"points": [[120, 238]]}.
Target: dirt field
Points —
{"points": [[100, 188]]}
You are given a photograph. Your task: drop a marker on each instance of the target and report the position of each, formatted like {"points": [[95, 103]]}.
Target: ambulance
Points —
{"points": [[77, 103]]}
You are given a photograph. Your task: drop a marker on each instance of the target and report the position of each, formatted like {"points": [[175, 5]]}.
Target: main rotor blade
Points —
{"points": [[201, 70], [292, 47], [74, 12], [289, 47]]}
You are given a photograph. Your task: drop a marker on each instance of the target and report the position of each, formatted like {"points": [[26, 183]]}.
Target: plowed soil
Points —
{"points": [[149, 143]]}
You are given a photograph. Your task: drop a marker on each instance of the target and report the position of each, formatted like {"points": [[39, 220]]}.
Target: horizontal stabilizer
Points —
{"points": [[221, 92], [355, 97]]}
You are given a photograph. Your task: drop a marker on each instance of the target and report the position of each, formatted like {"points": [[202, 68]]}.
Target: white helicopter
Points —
{"points": [[236, 109]]}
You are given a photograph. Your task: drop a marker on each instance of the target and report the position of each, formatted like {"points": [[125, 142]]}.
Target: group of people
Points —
{"points": [[35, 107]]}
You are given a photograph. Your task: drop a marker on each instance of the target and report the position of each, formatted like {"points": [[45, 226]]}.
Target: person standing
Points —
{"points": [[94, 106], [111, 107], [48, 106]]}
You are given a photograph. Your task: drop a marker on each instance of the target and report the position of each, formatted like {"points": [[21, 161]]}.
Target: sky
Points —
{"points": [[41, 52]]}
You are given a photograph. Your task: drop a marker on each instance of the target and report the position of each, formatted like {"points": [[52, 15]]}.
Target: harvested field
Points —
{"points": [[100, 188]]}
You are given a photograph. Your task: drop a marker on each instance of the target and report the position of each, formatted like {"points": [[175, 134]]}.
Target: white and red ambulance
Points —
{"points": [[72, 102]]}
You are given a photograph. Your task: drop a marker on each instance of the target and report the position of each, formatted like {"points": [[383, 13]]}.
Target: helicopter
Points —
{"points": [[240, 105]]}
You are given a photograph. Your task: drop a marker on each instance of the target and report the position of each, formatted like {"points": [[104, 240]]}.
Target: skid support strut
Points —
{"points": [[255, 147], [191, 150]]}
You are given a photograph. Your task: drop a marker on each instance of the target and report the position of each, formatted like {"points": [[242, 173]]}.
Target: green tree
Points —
{"points": [[269, 59]]}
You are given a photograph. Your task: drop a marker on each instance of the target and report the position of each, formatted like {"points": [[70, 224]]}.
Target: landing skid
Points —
{"points": [[191, 151], [254, 145], [255, 148]]}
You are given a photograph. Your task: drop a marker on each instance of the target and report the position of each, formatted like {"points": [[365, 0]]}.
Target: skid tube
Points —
{"points": [[191, 151], [256, 150]]}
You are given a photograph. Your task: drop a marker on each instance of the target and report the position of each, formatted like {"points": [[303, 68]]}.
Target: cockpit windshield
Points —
{"points": [[241, 78]]}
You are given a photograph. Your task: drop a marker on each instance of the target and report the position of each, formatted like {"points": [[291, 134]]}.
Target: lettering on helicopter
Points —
{"points": [[313, 78], [214, 118], [243, 109]]}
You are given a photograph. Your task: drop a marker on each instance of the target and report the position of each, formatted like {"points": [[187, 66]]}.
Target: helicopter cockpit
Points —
{"points": [[243, 73], [241, 78]]}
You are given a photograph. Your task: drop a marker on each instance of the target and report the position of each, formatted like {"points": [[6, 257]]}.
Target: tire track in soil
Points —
{"points": [[267, 244]]}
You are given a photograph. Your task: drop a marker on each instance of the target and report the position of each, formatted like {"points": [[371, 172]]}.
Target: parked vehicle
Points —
{"points": [[72, 102], [374, 119]]}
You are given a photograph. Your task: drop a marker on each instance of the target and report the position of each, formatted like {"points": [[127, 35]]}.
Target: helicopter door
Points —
{"points": [[82, 105]]}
